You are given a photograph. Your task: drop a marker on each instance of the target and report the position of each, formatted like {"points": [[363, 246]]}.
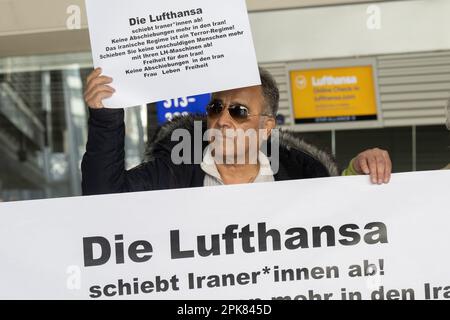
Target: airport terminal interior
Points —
{"points": [[45, 58]]}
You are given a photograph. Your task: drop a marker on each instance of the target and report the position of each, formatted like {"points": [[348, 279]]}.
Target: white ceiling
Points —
{"points": [[256, 5], [39, 26], [33, 16]]}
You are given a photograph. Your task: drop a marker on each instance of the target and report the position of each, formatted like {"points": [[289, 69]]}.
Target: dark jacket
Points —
{"points": [[103, 165]]}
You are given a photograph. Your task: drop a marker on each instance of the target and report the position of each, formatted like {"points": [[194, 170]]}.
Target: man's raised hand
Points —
{"points": [[97, 89]]}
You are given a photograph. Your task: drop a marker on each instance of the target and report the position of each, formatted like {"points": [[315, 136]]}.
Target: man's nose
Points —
{"points": [[225, 120]]}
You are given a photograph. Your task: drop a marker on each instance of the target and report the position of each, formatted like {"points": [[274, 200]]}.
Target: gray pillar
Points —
{"points": [[48, 145], [75, 114]]}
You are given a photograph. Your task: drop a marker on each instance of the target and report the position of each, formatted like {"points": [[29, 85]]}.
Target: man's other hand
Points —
{"points": [[376, 163]]}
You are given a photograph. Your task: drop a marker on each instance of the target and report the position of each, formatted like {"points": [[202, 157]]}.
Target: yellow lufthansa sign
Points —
{"points": [[333, 94]]}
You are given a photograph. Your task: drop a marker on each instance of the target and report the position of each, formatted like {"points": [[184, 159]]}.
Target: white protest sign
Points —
{"points": [[159, 50], [331, 238]]}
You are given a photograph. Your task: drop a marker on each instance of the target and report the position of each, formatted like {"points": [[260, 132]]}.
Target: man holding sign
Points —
{"points": [[246, 109], [164, 50]]}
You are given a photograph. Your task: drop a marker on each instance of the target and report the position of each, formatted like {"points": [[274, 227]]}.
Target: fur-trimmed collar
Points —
{"points": [[288, 139]]}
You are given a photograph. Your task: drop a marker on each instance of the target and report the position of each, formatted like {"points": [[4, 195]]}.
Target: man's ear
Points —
{"points": [[270, 124]]}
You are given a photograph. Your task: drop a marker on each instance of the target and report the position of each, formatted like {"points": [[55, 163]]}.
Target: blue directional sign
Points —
{"points": [[167, 110]]}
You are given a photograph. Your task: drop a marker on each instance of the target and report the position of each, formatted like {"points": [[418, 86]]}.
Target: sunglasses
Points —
{"points": [[237, 111]]}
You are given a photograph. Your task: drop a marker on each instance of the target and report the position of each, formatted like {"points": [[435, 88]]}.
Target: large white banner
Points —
{"points": [[331, 238], [159, 50]]}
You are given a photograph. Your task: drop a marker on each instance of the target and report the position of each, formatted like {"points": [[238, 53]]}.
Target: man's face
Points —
{"points": [[230, 127]]}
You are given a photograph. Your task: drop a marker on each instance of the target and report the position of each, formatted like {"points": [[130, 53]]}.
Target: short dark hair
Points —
{"points": [[270, 92]]}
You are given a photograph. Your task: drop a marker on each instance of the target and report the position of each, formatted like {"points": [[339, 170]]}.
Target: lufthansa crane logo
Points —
{"points": [[301, 82]]}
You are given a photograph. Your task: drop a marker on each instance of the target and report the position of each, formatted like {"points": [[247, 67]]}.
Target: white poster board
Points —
{"points": [[235, 242], [159, 50]]}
